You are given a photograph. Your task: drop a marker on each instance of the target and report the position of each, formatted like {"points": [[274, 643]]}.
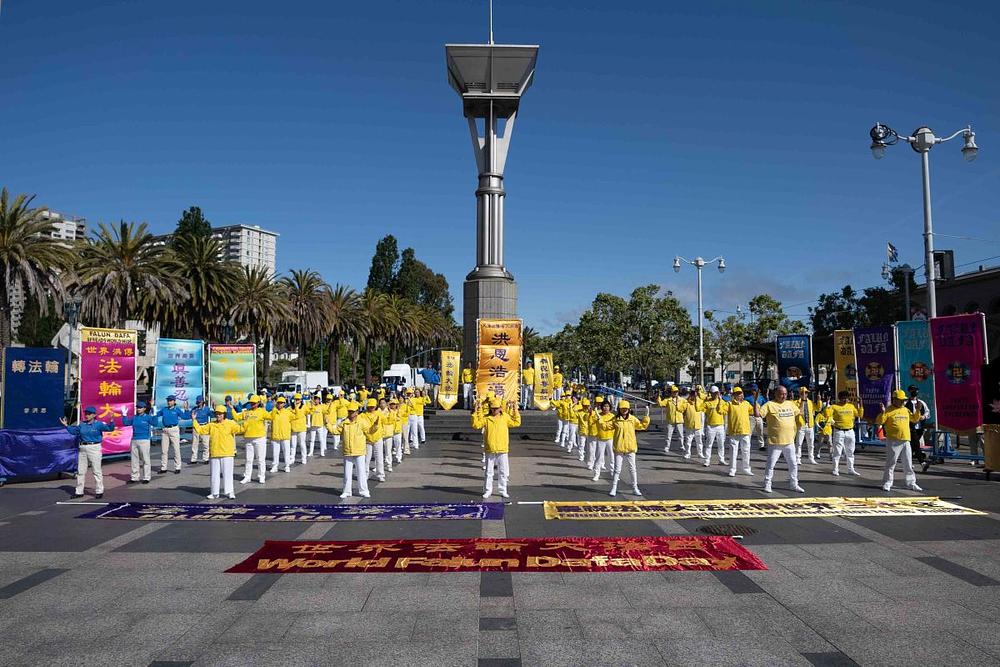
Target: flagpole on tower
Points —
{"points": [[491, 22]]}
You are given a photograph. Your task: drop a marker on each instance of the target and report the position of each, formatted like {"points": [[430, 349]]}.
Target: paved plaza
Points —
{"points": [[867, 591]]}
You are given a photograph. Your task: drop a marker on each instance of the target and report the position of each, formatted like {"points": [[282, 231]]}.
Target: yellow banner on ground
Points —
{"points": [[543, 380], [498, 367], [450, 372], [764, 508], [843, 358]]}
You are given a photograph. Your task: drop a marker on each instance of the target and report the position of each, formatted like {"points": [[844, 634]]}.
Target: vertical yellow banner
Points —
{"points": [[843, 357], [498, 368], [450, 372], [543, 380]]}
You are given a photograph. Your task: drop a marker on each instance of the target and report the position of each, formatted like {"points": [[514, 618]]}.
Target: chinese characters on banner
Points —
{"points": [[33, 387], [543, 380], [107, 380], [450, 374], [913, 348], [180, 371], [232, 371], [843, 356], [875, 350], [794, 354], [959, 351], [498, 370]]}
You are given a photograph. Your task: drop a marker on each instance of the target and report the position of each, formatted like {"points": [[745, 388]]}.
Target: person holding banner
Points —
{"points": [[317, 425], [142, 424], [170, 436], [674, 413], [625, 444], [467, 377], [354, 433], [281, 433], [715, 425], [527, 385], [807, 426], [300, 424], [254, 419], [203, 413], [603, 427], [780, 422], [222, 448], [844, 415], [739, 414], [496, 440], [897, 421], [89, 433]]}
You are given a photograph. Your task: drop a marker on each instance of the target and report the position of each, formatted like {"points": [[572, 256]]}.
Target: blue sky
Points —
{"points": [[651, 130]]}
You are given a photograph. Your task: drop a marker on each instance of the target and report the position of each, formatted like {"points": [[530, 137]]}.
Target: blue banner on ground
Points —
{"points": [[794, 353], [913, 347], [37, 452], [875, 350], [33, 387], [293, 513]]}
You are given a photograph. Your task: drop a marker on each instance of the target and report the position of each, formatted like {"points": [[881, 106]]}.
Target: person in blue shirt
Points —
{"points": [[89, 433], [171, 434], [232, 409], [142, 424], [203, 414]]}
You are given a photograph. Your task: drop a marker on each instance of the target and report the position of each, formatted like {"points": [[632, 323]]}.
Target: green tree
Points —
{"points": [[599, 335], [385, 264], [192, 223], [29, 257], [417, 282], [344, 325], [38, 325], [209, 281], [658, 333], [308, 298], [725, 340], [767, 320], [837, 310], [258, 309]]}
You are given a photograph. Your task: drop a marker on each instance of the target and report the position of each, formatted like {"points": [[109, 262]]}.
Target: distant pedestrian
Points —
{"points": [[170, 436]]}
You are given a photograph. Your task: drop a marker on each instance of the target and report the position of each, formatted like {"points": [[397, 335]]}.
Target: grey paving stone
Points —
{"points": [[499, 644], [494, 623], [602, 624], [958, 571], [551, 653], [348, 627], [765, 651], [876, 646], [28, 582], [253, 623], [319, 601], [548, 623], [416, 598], [444, 626], [254, 587], [568, 596], [829, 659]]}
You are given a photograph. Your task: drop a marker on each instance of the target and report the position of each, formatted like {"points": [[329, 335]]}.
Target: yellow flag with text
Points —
{"points": [[450, 372], [498, 367], [843, 357], [543, 380]]}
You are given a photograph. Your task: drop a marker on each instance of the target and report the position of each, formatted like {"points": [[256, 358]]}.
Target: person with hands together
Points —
{"points": [[897, 421], [496, 427]]}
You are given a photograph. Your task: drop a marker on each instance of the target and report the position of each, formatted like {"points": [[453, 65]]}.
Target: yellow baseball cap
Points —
{"points": [[281, 399], [353, 406], [599, 399], [372, 403], [624, 404], [297, 396], [220, 409], [900, 394], [585, 401], [495, 403]]}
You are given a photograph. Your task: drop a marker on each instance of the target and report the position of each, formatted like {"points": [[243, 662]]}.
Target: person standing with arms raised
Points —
{"points": [[780, 425], [89, 433], [222, 449], [897, 421], [674, 408], [496, 441], [170, 436], [625, 444]]}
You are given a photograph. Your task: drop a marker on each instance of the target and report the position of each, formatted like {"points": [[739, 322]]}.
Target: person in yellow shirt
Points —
{"points": [[389, 418], [254, 419], [467, 377], [363, 394], [779, 417], [354, 433], [373, 438], [527, 385], [583, 429], [557, 383], [571, 430], [625, 444], [281, 433], [300, 425], [559, 405], [693, 416], [221, 449], [602, 425], [674, 412], [315, 424], [807, 427], [715, 424], [496, 441], [415, 403], [897, 420], [824, 421], [844, 414], [739, 426], [397, 417]]}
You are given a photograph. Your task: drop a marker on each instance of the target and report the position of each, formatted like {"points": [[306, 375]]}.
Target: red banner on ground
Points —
{"points": [[561, 554]]}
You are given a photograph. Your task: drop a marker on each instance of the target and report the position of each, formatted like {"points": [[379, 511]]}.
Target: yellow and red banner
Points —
{"points": [[107, 381], [844, 360], [543, 381], [451, 372], [557, 554], [498, 367]]}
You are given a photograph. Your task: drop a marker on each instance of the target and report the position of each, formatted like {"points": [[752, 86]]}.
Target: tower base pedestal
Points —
{"points": [[485, 297]]}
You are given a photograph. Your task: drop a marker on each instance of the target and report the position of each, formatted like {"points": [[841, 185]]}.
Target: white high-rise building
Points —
{"points": [[248, 245]]}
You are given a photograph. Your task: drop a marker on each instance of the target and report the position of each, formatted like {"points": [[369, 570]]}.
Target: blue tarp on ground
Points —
{"points": [[36, 452]]}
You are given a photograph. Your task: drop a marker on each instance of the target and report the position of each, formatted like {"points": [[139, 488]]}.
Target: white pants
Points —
{"points": [[843, 443], [221, 467], [757, 431], [375, 450], [527, 396], [604, 448], [387, 452], [420, 425], [893, 450], [557, 393], [140, 460], [285, 449], [170, 438], [569, 435], [694, 437], [619, 459], [467, 395], [559, 430], [581, 443], [89, 455], [397, 443], [199, 443], [299, 445], [739, 445], [406, 435], [417, 435], [256, 450], [501, 461], [336, 438], [806, 434], [355, 465], [774, 452], [679, 428], [713, 434], [314, 433], [591, 452]]}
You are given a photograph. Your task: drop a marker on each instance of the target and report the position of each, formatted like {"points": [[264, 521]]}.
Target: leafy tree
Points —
{"points": [[385, 264], [658, 333], [192, 223], [767, 320], [417, 282], [725, 340], [259, 308], [837, 310], [308, 300], [209, 282], [344, 325], [599, 334], [38, 325]]}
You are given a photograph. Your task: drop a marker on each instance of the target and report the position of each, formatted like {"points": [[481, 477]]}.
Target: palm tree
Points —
{"points": [[529, 340], [209, 280], [375, 318], [258, 308], [344, 323], [123, 273], [308, 298], [30, 258]]}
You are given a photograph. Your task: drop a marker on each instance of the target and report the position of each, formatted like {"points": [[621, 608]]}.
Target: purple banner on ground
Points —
{"points": [[875, 350], [296, 513], [36, 452], [959, 347]]}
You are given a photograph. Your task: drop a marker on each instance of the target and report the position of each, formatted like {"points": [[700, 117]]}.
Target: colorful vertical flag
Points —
{"points": [[232, 371], [843, 357], [499, 359], [543, 380], [450, 376], [33, 387], [180, 371], [794, 354], [913, 349], [107, 380], [875, 350], [958, 348]]}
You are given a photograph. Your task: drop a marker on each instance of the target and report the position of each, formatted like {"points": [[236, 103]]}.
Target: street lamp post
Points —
{"points": [[71, 310], [699, 264], [922, 141]]}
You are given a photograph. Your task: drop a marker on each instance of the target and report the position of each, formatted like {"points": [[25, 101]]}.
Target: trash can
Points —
{"points": [[991, 448]]}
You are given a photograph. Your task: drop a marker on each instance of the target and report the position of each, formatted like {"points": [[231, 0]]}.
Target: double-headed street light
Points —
{"points": [[699, 264], [922, 141]]}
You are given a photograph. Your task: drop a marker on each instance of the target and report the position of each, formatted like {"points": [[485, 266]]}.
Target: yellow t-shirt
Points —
{"points": [[528, 376], [779, 419], [897, 422], [496, 430], [738, 418], [693, 414], [466, 375], [805, 417], [844, 415], [715, 412]]}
